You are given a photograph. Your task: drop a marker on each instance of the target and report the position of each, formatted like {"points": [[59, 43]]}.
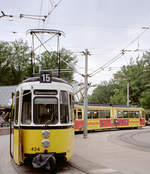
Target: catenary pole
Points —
{"points": [[32, 55], [86, 53], [128, 100]]}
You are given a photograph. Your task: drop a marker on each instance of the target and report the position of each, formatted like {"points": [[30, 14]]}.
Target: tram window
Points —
{"points": [[119, 114], [64, 109], [45, 92], [101, 114], [75, 114], [125, 114], [132, 114], [79, 114], [104, 113], [45, 110], [90, 114], [17, 107], [26, 107], [137, 114], [143, 114], [107, 114], [71, 98], [95, 114]]}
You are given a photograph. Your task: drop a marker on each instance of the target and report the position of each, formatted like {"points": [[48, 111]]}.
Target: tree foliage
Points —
{"points": [[49, 60], [137, 74], [15, 62], [102, 93]]}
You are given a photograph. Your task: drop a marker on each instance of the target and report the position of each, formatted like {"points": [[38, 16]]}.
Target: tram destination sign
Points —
{"points": [[45, 76]]}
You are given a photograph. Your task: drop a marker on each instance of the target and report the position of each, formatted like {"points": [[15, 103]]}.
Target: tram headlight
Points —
{"points": [[45, 143], [45, 133]]}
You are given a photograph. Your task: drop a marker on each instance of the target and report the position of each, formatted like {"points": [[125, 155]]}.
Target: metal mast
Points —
{"points": [[86, 53]]}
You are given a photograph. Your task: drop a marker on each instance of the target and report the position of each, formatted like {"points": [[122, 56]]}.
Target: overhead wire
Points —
{"points": [[118, 56], [60, 57], [41, 6], [53, 7]]}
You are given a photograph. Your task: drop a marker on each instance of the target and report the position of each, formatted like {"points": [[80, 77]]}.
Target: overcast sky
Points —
{"points": [[104, 27]]}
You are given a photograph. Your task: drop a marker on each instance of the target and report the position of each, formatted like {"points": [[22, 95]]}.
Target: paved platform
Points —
{"points": [[90, 167], [84, 160], [4, 131]]}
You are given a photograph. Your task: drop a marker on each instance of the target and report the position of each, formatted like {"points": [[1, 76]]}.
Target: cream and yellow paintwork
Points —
{"points": [[61, 141], [133, 122], [93, 124], [16, 150]]}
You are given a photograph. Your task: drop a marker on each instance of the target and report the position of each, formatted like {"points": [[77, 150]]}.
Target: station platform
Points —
{"points": [[4, 130], [86, 158]]}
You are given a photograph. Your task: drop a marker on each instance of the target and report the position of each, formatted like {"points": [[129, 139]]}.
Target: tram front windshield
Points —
{"points": [[45, 110]]}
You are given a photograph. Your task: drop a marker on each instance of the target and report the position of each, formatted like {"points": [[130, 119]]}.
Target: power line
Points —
{"points": [[118, 56], [56, 32], [5, 15]]}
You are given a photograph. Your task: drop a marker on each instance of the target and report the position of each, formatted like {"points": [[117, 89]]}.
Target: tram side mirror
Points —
{"points": [[45, 76]]}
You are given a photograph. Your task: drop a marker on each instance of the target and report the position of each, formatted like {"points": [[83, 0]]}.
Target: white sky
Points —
{"points": [[104, 27]]}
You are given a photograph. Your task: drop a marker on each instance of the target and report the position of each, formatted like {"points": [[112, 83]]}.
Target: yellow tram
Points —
{"points": [[43, 128], [109, 116]]}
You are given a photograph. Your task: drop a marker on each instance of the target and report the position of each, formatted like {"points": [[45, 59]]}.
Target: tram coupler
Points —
{"points": [[46, 161]]}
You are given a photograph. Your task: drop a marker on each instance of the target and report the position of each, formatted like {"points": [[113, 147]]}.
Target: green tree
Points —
{"points": [[102, 93], [145, 99], [137, 75], [49, 60], [14, 62]]}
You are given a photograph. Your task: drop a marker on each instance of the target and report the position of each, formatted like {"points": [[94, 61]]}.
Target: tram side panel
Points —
{"points": [[109, 117], [98, 118], [128, 117]]}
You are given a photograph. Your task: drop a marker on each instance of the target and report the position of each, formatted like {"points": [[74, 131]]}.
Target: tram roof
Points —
{"points": [[56, 83], [109, 105], [36, 79]]}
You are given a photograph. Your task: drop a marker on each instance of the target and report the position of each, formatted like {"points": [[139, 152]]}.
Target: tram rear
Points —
{"points": [[43, 127]]}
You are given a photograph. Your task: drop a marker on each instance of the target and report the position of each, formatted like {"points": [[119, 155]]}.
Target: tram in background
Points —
{"points": [[43, 125], [108, 117], [147, 116]]}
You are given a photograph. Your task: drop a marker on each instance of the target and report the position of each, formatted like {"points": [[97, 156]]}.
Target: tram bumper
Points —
{"points": [[46, 161]]}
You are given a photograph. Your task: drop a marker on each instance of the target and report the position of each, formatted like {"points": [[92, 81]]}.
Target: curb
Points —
{"points": [[4, 131]]}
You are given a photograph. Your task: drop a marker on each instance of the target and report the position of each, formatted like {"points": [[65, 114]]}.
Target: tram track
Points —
{"points": [[128, 139]]}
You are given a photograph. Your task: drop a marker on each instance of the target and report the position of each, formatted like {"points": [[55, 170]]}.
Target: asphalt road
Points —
{"points": [[126, 151]]}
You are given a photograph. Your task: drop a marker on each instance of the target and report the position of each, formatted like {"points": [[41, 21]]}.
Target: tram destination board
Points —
{"points": [[45, 76]]}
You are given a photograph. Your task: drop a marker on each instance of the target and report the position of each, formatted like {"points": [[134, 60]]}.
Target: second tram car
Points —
{"points": [[147, 116], [43, 128], [108, 117]]}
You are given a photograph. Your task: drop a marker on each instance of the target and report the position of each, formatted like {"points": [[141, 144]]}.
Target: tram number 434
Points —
{"points": [[35, 149], [45, 77]]}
